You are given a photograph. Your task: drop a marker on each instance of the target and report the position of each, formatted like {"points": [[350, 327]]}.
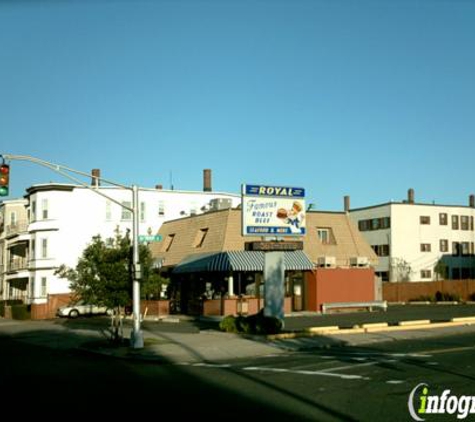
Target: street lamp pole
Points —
{"points": [[136, 338]]}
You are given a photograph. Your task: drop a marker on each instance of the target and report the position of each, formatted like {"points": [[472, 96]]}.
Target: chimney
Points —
{"points": [[96, 177], [159, 187], [346, 202], [410, 196], [471, 201], [207, 180]]}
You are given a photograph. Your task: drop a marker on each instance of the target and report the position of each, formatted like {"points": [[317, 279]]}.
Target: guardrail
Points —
{"points": [[383, 304]]}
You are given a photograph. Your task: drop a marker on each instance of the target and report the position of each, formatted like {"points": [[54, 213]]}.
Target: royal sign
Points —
{"points": [[273, 210]]}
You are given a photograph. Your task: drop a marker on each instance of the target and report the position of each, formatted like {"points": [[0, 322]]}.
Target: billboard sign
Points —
{"points": [[273, 210]]}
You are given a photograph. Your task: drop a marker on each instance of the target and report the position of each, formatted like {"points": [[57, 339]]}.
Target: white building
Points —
{"points": [[55, 222], [419, 242]]}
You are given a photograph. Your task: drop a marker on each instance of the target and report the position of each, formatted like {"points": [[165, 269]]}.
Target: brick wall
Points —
{"points": [[157, 308], [329, 285], [405, 291]]}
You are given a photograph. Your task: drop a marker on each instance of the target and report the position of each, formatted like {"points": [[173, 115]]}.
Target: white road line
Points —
{"points": [[395, 382], [302, 372], [212, 365], [355, 365]]}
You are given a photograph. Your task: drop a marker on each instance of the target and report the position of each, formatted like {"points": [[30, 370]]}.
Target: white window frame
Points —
{"points": [[44, 209], [44, 248]]}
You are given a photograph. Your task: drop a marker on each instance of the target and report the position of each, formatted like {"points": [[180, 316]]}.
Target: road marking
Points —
{"points": [[212, 365], [302, 372], [450, 350], [395, 382], [356, 365]]}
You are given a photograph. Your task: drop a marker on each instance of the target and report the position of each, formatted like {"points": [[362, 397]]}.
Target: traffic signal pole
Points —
{"points": [[136, 338]]}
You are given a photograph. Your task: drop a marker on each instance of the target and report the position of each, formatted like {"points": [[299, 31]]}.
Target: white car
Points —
{"points": [[81, 308]]}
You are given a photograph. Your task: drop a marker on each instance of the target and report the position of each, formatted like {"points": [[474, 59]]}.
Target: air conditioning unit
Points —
{"points": [[359, 261], [326, 261], [218, 204]]}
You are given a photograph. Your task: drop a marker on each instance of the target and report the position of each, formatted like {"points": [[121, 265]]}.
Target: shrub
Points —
{"points": [[423, 298], [228, 324], [446, 297], [253, 324]]}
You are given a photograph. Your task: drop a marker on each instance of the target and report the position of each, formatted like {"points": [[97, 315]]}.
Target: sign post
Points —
{"points": [[277, 211]]}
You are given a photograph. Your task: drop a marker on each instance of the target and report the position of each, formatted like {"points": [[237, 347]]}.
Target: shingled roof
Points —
{"points": [[220, 231]]}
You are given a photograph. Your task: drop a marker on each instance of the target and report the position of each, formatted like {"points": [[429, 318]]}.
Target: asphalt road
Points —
{"points": [[341, 383], [394, 314]]}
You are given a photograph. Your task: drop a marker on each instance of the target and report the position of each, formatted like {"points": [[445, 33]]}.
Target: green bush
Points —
{"points": [[446, 297], [253, 324], [228, 324], [21, 312], [423, 298]]}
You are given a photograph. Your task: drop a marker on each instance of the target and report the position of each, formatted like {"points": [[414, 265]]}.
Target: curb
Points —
{"points": [[374, 327]]}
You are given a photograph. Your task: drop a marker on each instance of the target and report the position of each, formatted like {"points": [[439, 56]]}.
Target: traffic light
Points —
{"points": [[4, 179]]}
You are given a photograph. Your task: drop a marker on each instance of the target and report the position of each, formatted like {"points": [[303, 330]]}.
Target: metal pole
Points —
{"points": [[136, 338]]}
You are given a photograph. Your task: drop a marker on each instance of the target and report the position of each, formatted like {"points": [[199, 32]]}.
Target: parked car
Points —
{"points": [[81, 308]]}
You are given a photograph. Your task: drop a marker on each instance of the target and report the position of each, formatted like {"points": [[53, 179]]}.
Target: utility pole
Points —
{"points": [[136, 339]]}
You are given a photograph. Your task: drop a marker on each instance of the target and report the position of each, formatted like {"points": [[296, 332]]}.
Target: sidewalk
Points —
{"points": [[184, 340]]}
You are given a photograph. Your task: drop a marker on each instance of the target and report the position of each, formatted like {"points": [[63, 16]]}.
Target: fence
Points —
{"points": [[406, 291]]}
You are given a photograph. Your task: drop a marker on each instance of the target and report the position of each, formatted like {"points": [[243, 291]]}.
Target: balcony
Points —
{"points": [[18, 227], [17, 264]]}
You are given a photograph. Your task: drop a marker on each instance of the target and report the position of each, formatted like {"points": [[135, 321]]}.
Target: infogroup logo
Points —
{"points": [[420, 403]]}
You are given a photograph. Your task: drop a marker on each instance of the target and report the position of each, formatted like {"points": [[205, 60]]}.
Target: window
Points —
{"points": [[33, 249], [425, 247], [455, 248], [325, 235], [13, 218], [142, 211], [32, 287], [443, 219], [363, 225], [455, 222], [374, 224], [426, 274], [43, 286], [424, 219], [33, 210], [44, 248], [44, 209], [126, 213], [444, 245], [465, 248], [471, 224], [200, 238], [108, 211], [167, 244], [381, 250], [464, 222], [161, 208]]}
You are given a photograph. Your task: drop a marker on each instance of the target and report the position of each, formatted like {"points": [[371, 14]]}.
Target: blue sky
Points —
{"points": [[361, 98]]}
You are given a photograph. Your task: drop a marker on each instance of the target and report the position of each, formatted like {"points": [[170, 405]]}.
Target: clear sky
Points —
{"points": [[361, 98]]}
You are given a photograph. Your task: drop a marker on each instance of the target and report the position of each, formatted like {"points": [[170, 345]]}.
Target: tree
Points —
{"points": [[441, 269], [103, 274], [401, 269]]}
